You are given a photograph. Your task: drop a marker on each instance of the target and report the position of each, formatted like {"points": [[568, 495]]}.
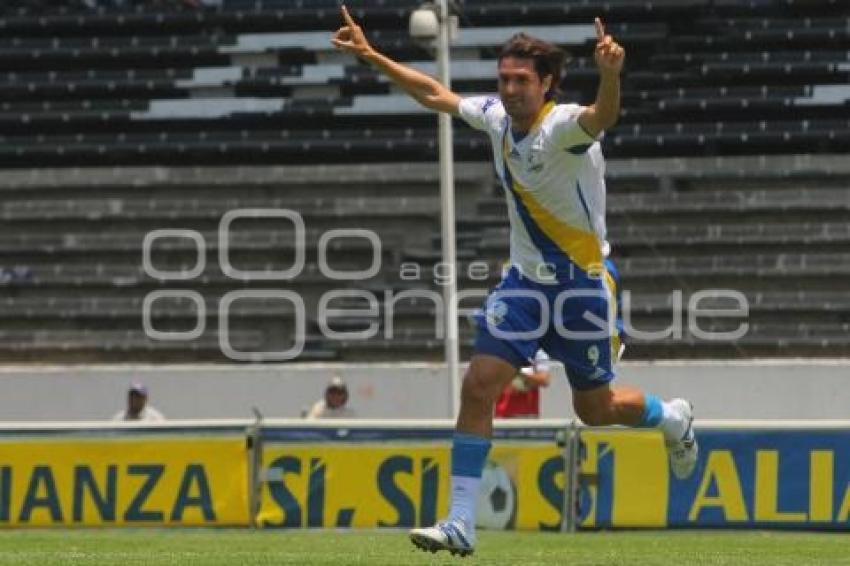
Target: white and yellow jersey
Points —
{"points": [[554, 183]]}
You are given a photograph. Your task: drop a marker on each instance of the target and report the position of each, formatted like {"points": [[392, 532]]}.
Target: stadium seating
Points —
{"points": [[196, 109], [259, 82]]}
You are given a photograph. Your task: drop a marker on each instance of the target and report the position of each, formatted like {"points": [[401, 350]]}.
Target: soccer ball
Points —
{"points": [[496, 506]]}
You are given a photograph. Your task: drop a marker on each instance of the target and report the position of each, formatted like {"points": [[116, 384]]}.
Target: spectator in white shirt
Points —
{"points": [[137, 406], [334, 405]]}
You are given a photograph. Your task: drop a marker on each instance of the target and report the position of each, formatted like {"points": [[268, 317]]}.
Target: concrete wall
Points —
{"points": [[802, 389]]}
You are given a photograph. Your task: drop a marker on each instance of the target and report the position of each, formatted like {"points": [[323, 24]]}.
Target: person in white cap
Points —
{"points": [[335, 403], [137, 406]]}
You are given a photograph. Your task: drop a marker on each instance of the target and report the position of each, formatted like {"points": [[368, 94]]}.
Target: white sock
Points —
{"points": [[464, 499], [673, 424]]}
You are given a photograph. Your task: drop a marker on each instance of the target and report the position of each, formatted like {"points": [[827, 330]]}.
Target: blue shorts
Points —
{"points": [[574, 322]]}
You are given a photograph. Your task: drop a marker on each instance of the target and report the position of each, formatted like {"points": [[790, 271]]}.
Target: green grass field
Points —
{"points": [[231, 548]]}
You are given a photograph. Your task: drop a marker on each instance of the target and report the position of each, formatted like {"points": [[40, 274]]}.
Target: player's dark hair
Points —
{"points": [[548, 59]]}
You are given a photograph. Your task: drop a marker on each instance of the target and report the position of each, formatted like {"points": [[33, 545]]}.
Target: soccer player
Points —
{"points": [[558, 290]]}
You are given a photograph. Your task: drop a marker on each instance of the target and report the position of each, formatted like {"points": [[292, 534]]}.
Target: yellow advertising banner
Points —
{"points": [[133, 482], [536, 474], [386, 485], [624, 479], [762, 479]]}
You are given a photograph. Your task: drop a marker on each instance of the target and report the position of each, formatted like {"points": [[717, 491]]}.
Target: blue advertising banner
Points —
{"points": [[744, 478], [767, 479]]}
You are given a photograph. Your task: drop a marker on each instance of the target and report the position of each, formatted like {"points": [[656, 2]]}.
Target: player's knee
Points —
{"points": [[485, 379], [476, 388], [595, 414], [473, 388]]}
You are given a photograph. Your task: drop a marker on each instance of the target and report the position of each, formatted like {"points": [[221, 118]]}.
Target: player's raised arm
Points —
{"points": [[426, 90], [605, 111]]}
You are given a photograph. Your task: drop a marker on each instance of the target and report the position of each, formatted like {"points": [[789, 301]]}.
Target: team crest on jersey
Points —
{"points": [[496, 312], [535, 157]]}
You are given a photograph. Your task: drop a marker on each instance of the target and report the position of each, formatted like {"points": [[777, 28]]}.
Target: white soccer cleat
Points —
{"points": [[683, 452], [451, 535]]}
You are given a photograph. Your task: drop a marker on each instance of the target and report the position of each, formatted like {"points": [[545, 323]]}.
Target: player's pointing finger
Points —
{"points": [[600, 29], [346, 16]]}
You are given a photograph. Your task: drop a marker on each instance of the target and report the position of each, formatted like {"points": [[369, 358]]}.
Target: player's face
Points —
{"points": [[521, 89]]}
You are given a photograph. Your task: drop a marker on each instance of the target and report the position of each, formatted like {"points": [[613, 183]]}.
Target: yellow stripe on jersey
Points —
{"points": [[583, 248], [542, 114], [611, 284], [615, 349]]}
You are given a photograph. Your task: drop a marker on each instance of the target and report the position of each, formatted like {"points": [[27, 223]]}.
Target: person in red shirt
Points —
{"points": [[521, 398]]}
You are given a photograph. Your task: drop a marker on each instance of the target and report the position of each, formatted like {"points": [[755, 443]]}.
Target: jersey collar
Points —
{"points": [[544, 111]]}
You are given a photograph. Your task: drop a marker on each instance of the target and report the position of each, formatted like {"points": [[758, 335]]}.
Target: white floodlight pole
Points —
{"points": [[447, 214]]}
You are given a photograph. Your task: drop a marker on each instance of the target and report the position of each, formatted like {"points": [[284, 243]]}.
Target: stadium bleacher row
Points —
{"points": [[260, 82], [779, 240], [196, 108]]}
